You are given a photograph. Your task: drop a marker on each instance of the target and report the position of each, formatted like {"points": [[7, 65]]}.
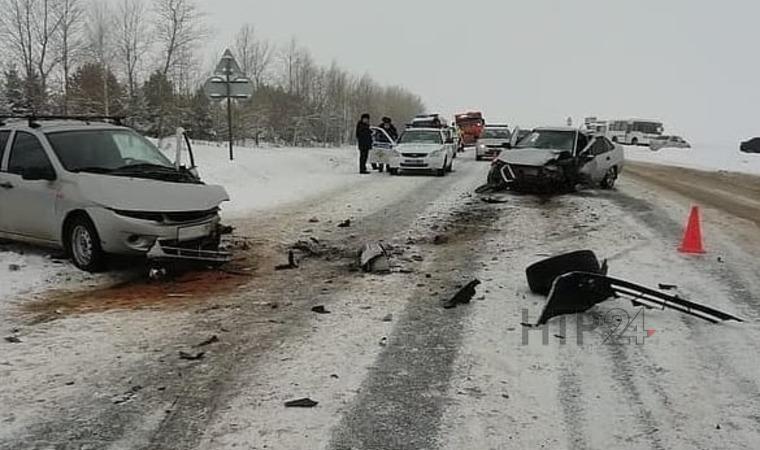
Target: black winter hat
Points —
{"points": [[386, 119], [365, 116]]}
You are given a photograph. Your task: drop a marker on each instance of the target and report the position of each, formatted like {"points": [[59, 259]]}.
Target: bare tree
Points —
{"points": [[178, 29], [70, 42], [100, 43], [254, 55], [131, 40], [289, 61], [29, 28]]}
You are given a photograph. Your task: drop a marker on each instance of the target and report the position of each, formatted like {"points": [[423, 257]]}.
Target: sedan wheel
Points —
{"points": [[610, 178], [84, 245], [442, 171]]}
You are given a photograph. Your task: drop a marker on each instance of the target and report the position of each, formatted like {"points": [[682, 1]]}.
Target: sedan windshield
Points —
{"points": [[549, 139], [105, 150], [421, 137], [495, 133]]}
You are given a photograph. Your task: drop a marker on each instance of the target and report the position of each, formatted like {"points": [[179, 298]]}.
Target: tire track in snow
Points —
{"points": [[656, 219], [559, 218], [401, 403]]}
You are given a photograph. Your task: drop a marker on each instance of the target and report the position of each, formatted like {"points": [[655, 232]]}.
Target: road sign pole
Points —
{"points": [[229, 106], [227, 82]]}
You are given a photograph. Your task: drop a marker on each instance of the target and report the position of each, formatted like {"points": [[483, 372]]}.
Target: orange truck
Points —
{"points": [[471, 125]]}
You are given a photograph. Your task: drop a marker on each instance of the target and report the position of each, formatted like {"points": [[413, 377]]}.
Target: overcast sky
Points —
{"points": [[695, 64]]}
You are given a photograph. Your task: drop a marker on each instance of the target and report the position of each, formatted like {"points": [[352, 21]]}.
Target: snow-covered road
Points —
{"points": [[389, 367]]}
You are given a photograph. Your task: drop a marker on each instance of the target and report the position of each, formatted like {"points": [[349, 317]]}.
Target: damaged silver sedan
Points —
{"points": [[97, 188], [556, 160]]}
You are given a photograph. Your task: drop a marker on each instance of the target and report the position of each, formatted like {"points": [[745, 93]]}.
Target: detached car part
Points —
{"points": [[576, 289], [542, 274]]}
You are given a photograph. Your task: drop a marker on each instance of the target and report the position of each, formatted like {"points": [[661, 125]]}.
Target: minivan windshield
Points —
{"points": [[421, 137], [549, 139], [104, 151]]}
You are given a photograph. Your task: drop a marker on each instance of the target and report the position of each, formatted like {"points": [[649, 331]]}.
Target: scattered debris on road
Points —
{"points": [[191, 356], [383, 341], [388, 318], [212, 340], [310, 247], [345, 224], [494, 200], [292, 263], [542, 274], [374, 258], [157, 273], [667, 287], [578, 282], [127, 396], [301, 403], [13, 339], [314, 220], [440, 239], [14, 267], [320, 309], [463, 296]]}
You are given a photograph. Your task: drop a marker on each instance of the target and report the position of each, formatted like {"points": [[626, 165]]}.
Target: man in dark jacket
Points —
{"points": [[364, 141], [389, 128]]}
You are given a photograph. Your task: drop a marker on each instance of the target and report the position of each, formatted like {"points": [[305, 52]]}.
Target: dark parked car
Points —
{"points": [[751, 146]]}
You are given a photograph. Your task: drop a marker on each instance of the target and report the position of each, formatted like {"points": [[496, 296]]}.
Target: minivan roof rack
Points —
{"points": [[34, 119]]}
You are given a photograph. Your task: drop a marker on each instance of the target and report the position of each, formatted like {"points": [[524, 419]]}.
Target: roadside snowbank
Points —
{"points": [[261, 178], [702, 157]]}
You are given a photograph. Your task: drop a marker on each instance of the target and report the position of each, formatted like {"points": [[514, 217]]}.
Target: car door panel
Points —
{"points": [[30, 205], [382, 147], [5, 183], [597, 161]]}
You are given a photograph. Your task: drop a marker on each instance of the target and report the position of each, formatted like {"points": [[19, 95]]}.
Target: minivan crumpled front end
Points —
{"points": [[170, 235], [176, 221]]}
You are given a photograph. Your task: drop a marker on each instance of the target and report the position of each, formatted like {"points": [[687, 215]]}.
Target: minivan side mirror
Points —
{"points": [[39, 173]]}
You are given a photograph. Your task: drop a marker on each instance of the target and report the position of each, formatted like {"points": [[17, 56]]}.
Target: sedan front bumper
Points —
{"points": [[413, 161]]}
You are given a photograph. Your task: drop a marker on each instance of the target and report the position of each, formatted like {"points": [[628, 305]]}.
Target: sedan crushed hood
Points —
{"points": [[531, 156], [139, 194]]}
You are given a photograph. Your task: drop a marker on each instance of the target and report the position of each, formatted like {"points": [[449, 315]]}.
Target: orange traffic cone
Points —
{"points": [[692, 238]]}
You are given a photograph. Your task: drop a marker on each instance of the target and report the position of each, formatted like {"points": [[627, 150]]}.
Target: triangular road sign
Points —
{"points": [[228, 66]]}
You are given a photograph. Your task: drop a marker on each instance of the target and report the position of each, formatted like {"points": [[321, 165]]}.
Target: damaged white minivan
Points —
{"points": [[95, 188]]}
